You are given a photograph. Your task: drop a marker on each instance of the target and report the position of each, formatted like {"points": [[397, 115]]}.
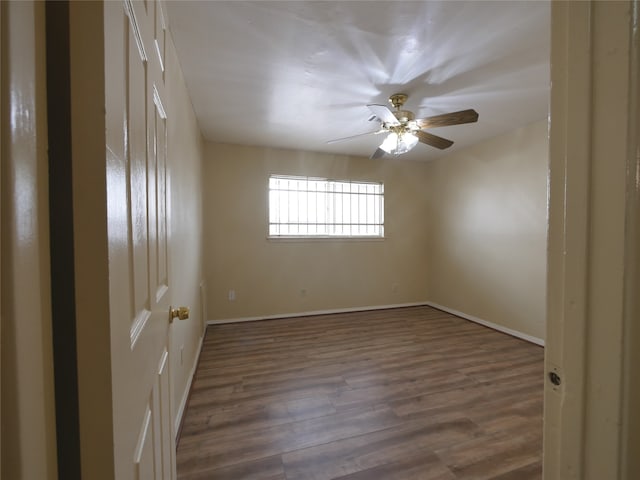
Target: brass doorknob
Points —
{"points": [[181, 313]]}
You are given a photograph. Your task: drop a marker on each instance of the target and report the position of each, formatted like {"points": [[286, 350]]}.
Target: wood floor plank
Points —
{"points": [[421, 467], [489, 456], [269, 468], [249, 445], [364, 452], [406, 393]]}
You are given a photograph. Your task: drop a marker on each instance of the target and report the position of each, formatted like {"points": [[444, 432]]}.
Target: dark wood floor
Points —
{"points": [[402, 394]]}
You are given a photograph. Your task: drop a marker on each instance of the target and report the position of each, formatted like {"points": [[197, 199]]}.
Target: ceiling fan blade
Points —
{"points": [[377, 154], [353, 136], [446, 119], [384, 114], [433, 140]]}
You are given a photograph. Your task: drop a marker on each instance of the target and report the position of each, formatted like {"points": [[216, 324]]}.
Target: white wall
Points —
{"points": [[487, 224]]}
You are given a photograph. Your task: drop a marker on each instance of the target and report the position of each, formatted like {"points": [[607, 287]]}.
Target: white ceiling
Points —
{"points": [[299, 73]]}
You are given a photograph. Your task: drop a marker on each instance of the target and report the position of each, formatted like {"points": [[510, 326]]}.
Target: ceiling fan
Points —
{"points": [[405, 131]]}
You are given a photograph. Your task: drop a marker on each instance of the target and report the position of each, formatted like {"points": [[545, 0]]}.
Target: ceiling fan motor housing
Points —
{"points": [[398, 99], [404, 116]]}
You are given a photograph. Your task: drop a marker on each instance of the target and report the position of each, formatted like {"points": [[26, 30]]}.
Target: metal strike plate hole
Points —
{"points": [[554, 378]]}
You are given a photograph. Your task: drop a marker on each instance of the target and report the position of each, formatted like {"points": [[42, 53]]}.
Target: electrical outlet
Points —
{"points": [[232, 295]]}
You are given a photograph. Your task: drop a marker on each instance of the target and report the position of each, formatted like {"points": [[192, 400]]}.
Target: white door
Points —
{"points": [[137, 192]]}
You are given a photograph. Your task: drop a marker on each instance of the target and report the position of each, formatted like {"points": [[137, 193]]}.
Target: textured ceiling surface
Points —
{"points": [[298, 74]]}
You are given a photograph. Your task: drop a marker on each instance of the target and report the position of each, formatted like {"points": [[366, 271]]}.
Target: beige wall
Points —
{"points": [[487, 230], [272, 277], [185, 166], [28, 422]]}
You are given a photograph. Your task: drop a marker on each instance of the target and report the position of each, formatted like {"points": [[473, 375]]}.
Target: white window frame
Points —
{"points": [[324, 208]]}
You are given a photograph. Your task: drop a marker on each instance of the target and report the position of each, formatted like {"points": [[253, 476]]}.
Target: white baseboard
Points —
{"points": [[185, 394], [494, 326], [314, 312]]}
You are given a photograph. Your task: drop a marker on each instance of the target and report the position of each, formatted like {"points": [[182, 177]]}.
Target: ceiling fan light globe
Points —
{"points": [[390, 143], [407, 141], [397, 144]]}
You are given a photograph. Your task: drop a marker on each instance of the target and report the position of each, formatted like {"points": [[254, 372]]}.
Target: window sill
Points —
{"points": [[302, 238]]}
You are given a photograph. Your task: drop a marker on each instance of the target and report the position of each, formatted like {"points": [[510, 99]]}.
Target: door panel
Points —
{"points": [[138, 221], [163, 410], [143, 457], [159, 244]]}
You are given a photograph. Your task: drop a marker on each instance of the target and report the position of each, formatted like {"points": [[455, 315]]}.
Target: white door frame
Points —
{"points": [[593, 225], [631, 348], [1, 322]]}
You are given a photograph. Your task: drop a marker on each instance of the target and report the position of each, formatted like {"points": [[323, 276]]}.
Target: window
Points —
{"points": [[318, 207]]}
